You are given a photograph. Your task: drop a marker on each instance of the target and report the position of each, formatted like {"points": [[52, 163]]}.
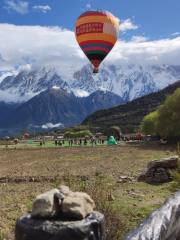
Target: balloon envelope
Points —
{"points": [[96, 33]]}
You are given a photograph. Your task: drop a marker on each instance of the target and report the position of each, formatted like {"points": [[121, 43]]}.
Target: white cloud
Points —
{"points": [[44, 46], [51, 125], [19, 6], [7, 96], [163, 51], [139, 39], [127, 25], [118, 19], [88, 6], [81, 93], [174, 34], [42, 8]]}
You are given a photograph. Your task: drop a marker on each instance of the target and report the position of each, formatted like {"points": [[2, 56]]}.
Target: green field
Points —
{"points": [[32, 144]]}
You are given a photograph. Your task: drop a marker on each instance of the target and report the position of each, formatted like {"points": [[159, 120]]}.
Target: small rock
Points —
{"points": [[78, 205], [121, 181], [64, 190], [136, 195], [140, 200], [46, 205], [123, 177], [135, 205]]}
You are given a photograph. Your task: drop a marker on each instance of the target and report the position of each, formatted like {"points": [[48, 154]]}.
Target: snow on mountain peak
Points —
{"points": [[129, 82]]}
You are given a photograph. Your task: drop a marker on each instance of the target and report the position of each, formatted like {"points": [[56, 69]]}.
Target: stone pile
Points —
{"points": [[64, 202], [160, 170], [61, 214]]}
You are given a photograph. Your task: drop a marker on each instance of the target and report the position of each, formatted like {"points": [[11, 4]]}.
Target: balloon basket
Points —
{"points": [[96, 70]]}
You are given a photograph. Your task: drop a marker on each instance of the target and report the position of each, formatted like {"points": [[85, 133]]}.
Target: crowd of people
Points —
{"points": [[94, 141], [132, 138], [78, 142]]}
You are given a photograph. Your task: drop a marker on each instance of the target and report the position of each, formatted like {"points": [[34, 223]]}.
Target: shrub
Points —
{"points": [[99, 189], [77, 134]]}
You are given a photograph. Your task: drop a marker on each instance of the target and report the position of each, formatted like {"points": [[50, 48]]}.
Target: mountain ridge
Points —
{"points": [[58, 106], [129, 82], [131, 112]]}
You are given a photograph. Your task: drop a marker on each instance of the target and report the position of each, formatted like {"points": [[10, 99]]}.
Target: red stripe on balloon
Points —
{"points": [[97, 14], [96, 41], [96, 48], [96, 63]]}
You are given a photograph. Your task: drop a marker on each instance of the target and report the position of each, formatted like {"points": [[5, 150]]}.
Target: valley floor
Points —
{"points": [[27, 172]]}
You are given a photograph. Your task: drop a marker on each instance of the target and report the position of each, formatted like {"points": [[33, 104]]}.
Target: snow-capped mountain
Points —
{"points": [[129, 82]]}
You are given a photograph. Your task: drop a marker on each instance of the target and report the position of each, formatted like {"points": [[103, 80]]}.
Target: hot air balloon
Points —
{"points": [[96, 32]]}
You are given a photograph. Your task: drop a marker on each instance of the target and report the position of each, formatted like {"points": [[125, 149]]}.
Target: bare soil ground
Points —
{"points": [[27, 172]]}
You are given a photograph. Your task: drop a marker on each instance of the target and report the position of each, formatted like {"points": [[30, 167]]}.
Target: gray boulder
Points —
{"points": [[46, 205], [170, 162], [160, 175], [154, 175], [77, 205]]}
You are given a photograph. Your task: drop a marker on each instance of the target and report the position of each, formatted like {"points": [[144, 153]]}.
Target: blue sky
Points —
{"points": [[37, 33], [155, 18]]}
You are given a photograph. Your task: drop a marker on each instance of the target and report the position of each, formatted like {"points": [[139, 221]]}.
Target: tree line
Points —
{"points": [[166, 120]]}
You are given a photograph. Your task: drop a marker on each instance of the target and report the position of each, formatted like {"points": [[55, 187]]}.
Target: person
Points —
{"points": [[43, 142], [80, 141], [71, 142], [40, 143], [56, 142], [63, 141]]}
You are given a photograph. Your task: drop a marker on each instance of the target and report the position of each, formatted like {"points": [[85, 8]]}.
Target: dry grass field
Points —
{"points": [[26, 172]]}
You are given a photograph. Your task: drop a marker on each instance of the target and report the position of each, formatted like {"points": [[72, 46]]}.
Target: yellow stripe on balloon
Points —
{"points": [[102, 19], [96, 36]]}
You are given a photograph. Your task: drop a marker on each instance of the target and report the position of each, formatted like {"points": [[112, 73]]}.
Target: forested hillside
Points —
{"points": [[131, 112]]}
